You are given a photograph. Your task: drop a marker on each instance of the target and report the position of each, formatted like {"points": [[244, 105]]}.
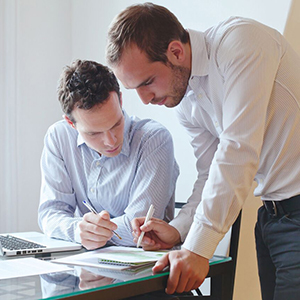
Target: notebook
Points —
{"points": [[130, 257], [32, 243], [117, 258]]}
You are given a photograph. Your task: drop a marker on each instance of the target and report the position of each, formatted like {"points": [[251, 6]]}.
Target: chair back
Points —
{"points": [[234, 242]]}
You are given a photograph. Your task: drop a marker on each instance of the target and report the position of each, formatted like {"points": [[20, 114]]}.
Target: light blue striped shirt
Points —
{"points": [[144, 172]]}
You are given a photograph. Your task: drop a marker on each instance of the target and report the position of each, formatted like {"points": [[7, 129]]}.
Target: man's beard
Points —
{"points": [[179, 83]]}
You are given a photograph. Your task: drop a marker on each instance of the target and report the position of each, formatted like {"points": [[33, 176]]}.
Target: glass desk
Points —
{"points": [[90, 283]]}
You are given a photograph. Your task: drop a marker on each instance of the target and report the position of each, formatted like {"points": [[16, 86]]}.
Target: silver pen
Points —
{"points": [[148, 217], [90, 208]]}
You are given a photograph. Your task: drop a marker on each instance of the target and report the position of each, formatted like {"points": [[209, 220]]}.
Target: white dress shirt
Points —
{"points": [[144, 173], [241, 110]]}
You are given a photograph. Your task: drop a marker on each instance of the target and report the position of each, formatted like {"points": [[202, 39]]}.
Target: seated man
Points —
{"points": [[119, 165]]}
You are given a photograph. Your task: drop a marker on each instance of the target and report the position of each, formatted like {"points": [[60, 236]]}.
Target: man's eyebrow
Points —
{"points": [[144, 82], [116, 124], [141, 84]]}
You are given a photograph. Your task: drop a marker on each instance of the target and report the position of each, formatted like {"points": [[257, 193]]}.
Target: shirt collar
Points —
{"points": [[80, 140], [125, 147], [200, 58]]}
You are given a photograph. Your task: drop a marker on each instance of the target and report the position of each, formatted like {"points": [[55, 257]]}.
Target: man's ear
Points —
{"points": [[176, 53], [121, 99], [69, 121]]}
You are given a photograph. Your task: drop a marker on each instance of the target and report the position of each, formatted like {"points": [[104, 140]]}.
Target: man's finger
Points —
{"points": [[191, 284], [136, 224], [90, 245], [104, 215], [174, 276], [161, 263], [180, 285], [95, 231], [153, 247], [104, 221]]}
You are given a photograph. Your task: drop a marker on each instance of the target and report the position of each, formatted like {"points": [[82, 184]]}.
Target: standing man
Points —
{"points": [[236, 88], [119, 165]]}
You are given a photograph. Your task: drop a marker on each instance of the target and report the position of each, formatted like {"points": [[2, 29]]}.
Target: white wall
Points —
{"points": [[36, 43], [38, 38], [292, 27]]}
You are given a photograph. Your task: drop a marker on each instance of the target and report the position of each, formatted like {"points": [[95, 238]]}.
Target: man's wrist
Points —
{"points": [[177, 237]]}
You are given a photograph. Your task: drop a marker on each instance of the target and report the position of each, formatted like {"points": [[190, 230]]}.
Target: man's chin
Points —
{"points": [[173, 103], [168, 102], [112, 153]]}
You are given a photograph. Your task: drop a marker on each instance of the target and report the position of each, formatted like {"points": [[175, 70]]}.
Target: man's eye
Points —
{"points": [[148, 82], [93, 133]]}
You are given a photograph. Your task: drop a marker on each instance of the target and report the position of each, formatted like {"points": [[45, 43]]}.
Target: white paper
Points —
{"points": [[91, 258], [128, 255], [20, 267]]}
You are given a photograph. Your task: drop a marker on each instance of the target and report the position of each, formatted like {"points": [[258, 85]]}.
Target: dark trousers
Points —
{"points": [[278, 254]]}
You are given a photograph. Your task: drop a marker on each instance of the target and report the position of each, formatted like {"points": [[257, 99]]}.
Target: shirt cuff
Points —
{"points": [[77, 234], [182, 226], [199, 233]]}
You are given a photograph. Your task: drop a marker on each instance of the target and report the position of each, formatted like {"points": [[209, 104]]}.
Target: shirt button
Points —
{"points": [[98, 163], [216, 123], [92, 190], [199, 96]]}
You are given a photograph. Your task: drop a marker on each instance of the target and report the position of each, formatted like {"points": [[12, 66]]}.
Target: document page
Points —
{"points": [[20, 267], [114, 257], [128, 256]]}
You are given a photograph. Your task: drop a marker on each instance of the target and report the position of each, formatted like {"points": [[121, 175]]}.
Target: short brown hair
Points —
{"points": [[85, 84], [151, 27]]}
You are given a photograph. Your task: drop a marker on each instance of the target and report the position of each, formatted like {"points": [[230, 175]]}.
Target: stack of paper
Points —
{"points": [[131, 257], [114, 258]]}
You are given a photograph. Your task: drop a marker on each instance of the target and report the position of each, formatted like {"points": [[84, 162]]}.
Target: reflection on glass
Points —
{"points": [[90, 280], [55, 284], [84, 278]]}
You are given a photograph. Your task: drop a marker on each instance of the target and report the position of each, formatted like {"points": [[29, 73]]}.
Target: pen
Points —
{"points": [[93, 211], [148, 217]]}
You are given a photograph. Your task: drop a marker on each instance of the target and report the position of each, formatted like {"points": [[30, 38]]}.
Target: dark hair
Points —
{"points": [[85, 84], [151, 27]]}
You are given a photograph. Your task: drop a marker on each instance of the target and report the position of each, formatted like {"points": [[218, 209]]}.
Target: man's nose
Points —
{"points": [[109, 139], [145, 96]]}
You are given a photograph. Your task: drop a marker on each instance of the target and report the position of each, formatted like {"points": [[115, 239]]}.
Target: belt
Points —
{"points": [[282, 207]]}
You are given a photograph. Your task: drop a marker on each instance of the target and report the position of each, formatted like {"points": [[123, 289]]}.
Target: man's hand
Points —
{"points": [[96, 230], [187, 270], [158, 233]]}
